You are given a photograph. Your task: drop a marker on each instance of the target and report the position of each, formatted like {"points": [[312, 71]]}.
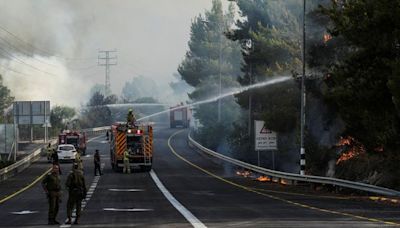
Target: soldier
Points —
{"points": [[127, 167], [52, 187], [76, 193]]}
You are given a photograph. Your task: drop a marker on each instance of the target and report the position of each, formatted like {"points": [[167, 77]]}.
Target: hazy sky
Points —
{"points": [[150, 37]]}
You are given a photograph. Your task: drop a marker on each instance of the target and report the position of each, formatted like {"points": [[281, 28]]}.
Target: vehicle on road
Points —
{"points": [[75, 138], [66, 152], [179, 116], [138, 138]]}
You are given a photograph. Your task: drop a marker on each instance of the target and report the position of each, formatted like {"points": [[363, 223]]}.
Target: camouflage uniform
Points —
{"points": [[76, 193], [51, 184]]}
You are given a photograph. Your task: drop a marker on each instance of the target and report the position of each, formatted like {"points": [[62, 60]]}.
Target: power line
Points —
{"points": [[15, 71], [45, 52], [107, 61], [41, 61], [21, 61], [26, 53]]}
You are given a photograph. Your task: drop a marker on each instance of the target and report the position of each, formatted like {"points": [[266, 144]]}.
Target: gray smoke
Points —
{"points": [[62, 38]]}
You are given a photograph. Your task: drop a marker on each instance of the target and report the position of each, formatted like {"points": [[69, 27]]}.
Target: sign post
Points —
{"points": [[265, 139], [30, 113]]}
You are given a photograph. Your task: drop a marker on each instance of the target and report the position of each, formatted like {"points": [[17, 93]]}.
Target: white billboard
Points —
{"points": [[265, 139]]}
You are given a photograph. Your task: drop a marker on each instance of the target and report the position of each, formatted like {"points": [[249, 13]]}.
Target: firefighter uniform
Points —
{"points": [[130, 119], [78, 160], [127, 167], [76, 193], [51, 185]]}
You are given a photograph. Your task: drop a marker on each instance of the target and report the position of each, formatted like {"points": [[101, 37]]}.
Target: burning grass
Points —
{"points": [[351, 149]]}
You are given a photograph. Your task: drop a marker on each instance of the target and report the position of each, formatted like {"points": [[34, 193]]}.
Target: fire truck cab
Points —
{"points": [[75, 138]]}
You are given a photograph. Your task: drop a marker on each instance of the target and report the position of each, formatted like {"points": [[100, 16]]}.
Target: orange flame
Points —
{"points": [[327, 37], [244, 173], [263, 179], [355, 148]]}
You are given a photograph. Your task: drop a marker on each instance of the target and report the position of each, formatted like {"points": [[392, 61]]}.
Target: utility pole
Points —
{"points": [[303, 98], [104, 59], [251, 46]]}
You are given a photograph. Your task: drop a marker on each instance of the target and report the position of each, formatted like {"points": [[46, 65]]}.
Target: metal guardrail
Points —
{"points": [[298, 177], [24, 163]]}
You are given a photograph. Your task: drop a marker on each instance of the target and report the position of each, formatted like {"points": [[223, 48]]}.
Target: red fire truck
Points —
{"points": [[137, 138], [179, 116], [75, 138]]}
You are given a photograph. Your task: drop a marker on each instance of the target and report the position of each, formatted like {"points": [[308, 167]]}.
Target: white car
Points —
{"points": [[66, 152]]}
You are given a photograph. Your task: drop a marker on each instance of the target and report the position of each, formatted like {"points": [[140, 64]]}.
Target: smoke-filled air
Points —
{"points": [[315, 90]]}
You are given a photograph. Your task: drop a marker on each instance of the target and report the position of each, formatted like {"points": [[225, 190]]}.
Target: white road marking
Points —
{"points": [[127, 209], [24, 212], [125, 190], [185, 212], [104, 141]]}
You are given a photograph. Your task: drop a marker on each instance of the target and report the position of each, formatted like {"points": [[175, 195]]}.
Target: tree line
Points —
{"points": [[352, 82]]}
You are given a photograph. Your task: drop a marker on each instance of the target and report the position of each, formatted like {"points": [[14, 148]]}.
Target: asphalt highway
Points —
{"points": [[186, 189]]}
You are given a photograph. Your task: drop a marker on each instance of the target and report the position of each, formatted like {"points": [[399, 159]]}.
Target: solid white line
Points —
{"points": [[185, 212]]}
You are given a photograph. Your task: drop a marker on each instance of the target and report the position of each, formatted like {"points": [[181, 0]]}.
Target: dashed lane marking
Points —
{"points": [[185, 212], [271, 196], [127, 209], [125, 190], [24, 212]]}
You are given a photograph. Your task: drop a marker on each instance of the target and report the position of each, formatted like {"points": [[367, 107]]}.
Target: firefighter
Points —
{"points": [[131, 119], [49, 151], [78, 160], [52, 187], [97, 163], [127, 167], [76, 192]]}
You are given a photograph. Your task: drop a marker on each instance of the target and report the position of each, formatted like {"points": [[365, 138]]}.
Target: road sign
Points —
{"points": [[265, 139], [31, 112]]}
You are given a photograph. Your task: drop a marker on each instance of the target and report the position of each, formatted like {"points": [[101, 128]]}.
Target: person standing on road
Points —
{"points": [[78, 160], [76, 193], [97, 163], [49, 151], [54, 156], [52, 186], [127, 167]]}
